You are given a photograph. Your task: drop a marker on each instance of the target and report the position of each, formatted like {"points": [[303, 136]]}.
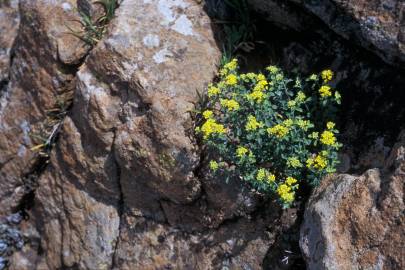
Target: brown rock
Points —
{"points": [[9, 22], [37, 80], [357, 222]]}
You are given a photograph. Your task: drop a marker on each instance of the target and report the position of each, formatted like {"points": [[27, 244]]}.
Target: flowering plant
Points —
{"points": [[271, 131]]}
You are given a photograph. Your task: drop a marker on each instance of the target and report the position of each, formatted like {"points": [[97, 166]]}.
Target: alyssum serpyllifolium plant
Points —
{"points": [[272, 131]]}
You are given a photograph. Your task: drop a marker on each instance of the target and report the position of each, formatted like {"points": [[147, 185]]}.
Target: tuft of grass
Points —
{"points": [[45, 137], [93, 29]]}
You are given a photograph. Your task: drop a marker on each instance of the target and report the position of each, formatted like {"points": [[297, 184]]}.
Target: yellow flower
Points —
{"points": [[279, 77], [318, 163], [261, 174], [294, 162], [327, 75], [285, 194], [214, 165], [230, 104], [291, 103], [241, 151], [257, 96], [330, 125], [252, 123], [212, 127], [288, 197], [260, 86], [291, 181], [231, 79], [325, 91], [301, 96], [232, 65], [328, 138], [272, 69], [278, 130], [207, 114], [288, 123], [304, 124], [251, 76], [271, 178], [261, 77], [212, 91]]}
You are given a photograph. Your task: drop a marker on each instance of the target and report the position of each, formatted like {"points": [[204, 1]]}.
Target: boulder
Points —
{"points": [[377, 25], [38, 78], [357, 222]]}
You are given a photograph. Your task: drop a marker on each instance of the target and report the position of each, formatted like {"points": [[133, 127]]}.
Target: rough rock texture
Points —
{"points": [[9, 22], [124, 185], [38, 76], [378, 25], [357, 222]]}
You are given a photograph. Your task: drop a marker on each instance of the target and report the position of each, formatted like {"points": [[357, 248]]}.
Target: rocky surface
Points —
{"points": [[10, 20], [357, 222], [126, 185], [38, 78], [377, 25]]}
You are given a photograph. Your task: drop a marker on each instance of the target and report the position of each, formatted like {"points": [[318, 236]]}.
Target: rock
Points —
{"points": [[376, 25], [357, 222], [9, 21], [122, 186], [38, 80]]}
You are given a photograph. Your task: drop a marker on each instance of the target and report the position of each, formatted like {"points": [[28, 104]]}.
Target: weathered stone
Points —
{"points": [[357, 222], [9, 22], [37, 80], [377, 25]]}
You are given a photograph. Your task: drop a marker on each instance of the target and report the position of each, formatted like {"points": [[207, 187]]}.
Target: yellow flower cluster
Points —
{"points": [[278, 130], [261, 85], [294, 162], [301, 96], [325, 91], [291, 181], [248, 77], [327, 75], [272, 69], [304, 124], [211, 127], [328, 138], [257, 93], [241, 151], [263, 174], [231, 80], [285, 193], [214, 165], [207, 114], [213, 91], [330, 125], [231, 66], [230, 104], [319, 162], [252, 123], [257, 96]]}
